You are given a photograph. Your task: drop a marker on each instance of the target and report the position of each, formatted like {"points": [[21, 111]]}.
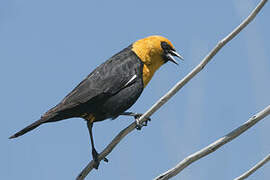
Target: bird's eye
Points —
{"points": [[166, 47], [166, 51], [169, 52]]}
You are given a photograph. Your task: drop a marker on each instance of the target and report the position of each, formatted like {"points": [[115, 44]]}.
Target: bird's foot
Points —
{"points": [[138, 124], [95, 155], [137, 116]]}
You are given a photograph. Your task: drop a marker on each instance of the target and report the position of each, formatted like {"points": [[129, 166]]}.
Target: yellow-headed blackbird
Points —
{"points": [[112, 87]]}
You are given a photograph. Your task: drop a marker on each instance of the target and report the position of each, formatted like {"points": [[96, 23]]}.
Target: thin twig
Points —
{"points": [[175, 89], [254, 168], [199, 67], [214, 146]]}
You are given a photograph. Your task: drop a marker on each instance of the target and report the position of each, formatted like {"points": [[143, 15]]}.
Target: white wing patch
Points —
{"points": [[131, 80]]}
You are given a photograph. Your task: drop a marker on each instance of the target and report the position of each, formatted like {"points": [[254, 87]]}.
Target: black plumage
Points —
{"points": [[104, 93]]}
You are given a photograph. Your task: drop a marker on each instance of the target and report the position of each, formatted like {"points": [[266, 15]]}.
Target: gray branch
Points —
{"points": [[174, 90], [214, 146], [254, 168]]}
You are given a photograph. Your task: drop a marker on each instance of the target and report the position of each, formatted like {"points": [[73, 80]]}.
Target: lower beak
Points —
{"points": [[174, 53], [171, 58]]}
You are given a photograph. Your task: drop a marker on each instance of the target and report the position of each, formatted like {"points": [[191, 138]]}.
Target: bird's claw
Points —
{"points": [[138, 124], [95, 155], [137, 116]]}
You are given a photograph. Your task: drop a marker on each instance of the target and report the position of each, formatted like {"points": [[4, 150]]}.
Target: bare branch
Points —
{"points": [[199, 67], [214, 146], [254, 168], [175, 89]]}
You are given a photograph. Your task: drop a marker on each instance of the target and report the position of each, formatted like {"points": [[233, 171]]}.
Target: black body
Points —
{"points": [[105, 93]]}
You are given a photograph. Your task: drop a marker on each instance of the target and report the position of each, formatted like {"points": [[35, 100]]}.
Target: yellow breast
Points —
{"points": [[147, 75], [149, 70], [150, 53]]}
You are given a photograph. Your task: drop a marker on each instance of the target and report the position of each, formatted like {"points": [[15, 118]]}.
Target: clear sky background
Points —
{"points": [[48, 47]]}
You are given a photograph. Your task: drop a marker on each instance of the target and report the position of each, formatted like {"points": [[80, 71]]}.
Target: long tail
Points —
{"points": [[44, 119], [28, 128]]}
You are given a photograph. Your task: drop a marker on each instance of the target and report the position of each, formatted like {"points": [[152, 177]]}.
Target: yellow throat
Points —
{"points": [[150, 52]]}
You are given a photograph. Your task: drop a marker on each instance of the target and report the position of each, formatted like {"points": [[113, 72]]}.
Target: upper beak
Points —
{"points": [[174, 53]]}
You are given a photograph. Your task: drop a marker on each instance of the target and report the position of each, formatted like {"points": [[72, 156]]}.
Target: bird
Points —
{"points": [[113, 87]]}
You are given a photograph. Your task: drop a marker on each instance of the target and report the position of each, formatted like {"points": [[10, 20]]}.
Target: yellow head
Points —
{"points": [[154, 51]]}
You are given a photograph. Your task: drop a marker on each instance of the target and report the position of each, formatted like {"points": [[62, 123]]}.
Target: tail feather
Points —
{"points": [[28, 128], [48, 117]]}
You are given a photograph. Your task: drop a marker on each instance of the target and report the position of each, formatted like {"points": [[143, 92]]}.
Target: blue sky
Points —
{"points": [[48, 47]]}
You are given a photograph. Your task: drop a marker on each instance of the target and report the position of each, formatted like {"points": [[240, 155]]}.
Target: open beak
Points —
{"points": [[171, 55]]}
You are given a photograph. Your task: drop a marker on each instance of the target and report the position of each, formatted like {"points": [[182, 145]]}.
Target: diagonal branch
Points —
{"points": [[254, 168], [214, 146], [175, 89]]}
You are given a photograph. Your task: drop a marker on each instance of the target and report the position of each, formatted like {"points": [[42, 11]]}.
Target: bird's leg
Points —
{"points": [[137, 116], [94, 152]]}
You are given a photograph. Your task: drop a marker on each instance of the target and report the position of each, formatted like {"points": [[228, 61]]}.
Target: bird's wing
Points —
{"points": [[120, 71]]}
